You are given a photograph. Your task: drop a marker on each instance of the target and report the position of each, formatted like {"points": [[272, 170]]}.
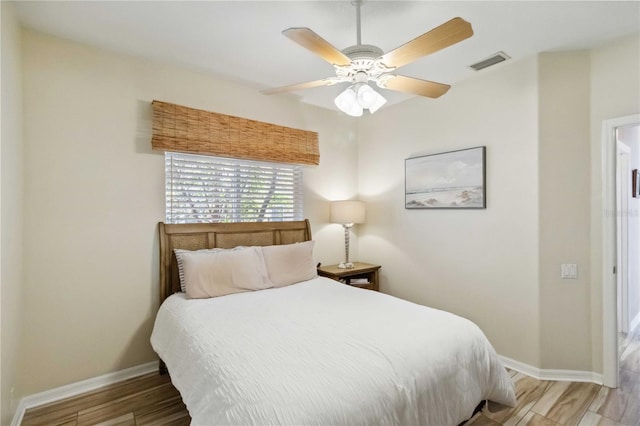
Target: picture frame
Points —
{"points": [[447, 180], [635, 183]]}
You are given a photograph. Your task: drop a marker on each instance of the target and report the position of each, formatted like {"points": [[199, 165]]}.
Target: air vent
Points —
{"points": [[494, 59]]}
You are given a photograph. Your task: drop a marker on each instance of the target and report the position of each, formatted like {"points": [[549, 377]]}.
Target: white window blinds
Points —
{"points": [[213, 189]]}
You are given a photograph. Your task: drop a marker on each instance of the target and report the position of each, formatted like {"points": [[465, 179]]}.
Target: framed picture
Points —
{"points": [[449, 180], [635, 183]]}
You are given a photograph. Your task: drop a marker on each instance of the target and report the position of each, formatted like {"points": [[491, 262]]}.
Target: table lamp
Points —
{"points": [[347, 213]]}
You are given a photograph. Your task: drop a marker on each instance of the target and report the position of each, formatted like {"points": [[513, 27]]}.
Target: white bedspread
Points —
{"points": [[323, 353]]}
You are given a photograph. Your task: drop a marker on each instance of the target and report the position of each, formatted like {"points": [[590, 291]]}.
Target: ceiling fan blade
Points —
{"points": [[300, 86], [312, 41], [447, 34], [415, 86]]}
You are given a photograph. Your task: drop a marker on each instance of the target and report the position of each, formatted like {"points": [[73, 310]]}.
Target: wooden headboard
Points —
{"points": [[195, 236]]}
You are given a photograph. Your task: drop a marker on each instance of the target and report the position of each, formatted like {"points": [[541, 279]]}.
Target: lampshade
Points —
{"points": [[349, 211]]}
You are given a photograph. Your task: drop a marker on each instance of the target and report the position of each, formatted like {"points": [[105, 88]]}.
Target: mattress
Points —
{"points": [[324, 353]]}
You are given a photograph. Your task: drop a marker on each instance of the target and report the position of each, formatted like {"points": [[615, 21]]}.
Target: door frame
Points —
{"points": [[609, 152]]}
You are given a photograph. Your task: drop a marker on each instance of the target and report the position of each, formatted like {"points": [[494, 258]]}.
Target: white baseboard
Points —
{"points": [[78, 388], [118, 376], [553, 375]]}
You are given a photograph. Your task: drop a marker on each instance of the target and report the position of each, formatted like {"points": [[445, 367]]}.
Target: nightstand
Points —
{"points": [[359, 272]]}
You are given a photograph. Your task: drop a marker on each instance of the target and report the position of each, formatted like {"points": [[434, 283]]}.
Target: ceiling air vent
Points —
{"points": [[494, 59]]}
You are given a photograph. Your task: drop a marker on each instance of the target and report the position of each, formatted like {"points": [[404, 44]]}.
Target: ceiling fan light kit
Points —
{"points": [[359, 96], [359, 64]]}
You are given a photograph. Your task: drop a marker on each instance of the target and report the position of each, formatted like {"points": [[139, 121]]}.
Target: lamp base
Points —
{"points": [[344, 265]]}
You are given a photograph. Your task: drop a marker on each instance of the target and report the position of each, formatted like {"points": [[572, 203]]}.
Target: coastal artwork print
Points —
{"points": [[450, 180]]}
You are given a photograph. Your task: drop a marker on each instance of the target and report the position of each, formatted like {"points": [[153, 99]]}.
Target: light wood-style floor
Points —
{"points": [[152, 400], [568, 403], [146, 400]]}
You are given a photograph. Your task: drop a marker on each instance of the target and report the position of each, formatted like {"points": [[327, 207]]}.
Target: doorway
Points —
{"points": [[612, 245]]}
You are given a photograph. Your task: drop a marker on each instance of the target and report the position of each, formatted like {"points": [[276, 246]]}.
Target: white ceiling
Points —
{"points": [[242, 40]]}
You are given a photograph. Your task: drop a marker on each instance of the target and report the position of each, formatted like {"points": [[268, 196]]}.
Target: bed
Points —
{"points": [[315, 351]]}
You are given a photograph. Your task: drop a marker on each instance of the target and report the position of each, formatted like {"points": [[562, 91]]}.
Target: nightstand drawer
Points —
{"points": [[362, 275]]}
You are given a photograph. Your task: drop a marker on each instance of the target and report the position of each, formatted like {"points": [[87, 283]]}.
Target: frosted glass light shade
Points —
{"points": [[380, 100], [347, 102], [349, 211], [367, 97]]}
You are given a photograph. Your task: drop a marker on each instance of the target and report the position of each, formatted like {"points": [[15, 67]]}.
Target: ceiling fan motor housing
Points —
{"points": [[364, 58], [363, 51]]}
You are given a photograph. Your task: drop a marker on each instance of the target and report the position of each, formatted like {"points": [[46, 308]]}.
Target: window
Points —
{"points": [[213, 189]]}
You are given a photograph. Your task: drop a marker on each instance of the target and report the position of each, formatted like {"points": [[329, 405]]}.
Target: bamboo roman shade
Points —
{"points": [[182, 129]]}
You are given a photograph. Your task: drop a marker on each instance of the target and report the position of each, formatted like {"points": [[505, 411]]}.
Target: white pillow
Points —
{"points": [[180, 252], [290, 263], [217, 272]]}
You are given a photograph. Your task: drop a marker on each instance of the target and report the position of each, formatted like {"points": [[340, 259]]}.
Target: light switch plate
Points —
{"points": [[569, 271]]}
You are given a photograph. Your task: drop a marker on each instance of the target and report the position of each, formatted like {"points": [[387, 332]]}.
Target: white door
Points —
{"points": [[623, 191], [609, 246]]}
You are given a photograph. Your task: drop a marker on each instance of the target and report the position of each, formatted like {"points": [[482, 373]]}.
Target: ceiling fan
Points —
{"points": [[362, 63]]}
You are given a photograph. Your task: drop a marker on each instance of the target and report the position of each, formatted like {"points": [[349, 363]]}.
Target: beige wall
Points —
{"points": [[482, 264], [540, 120], [94, 192], [10, 212], [615, 92], [563, 172]]}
